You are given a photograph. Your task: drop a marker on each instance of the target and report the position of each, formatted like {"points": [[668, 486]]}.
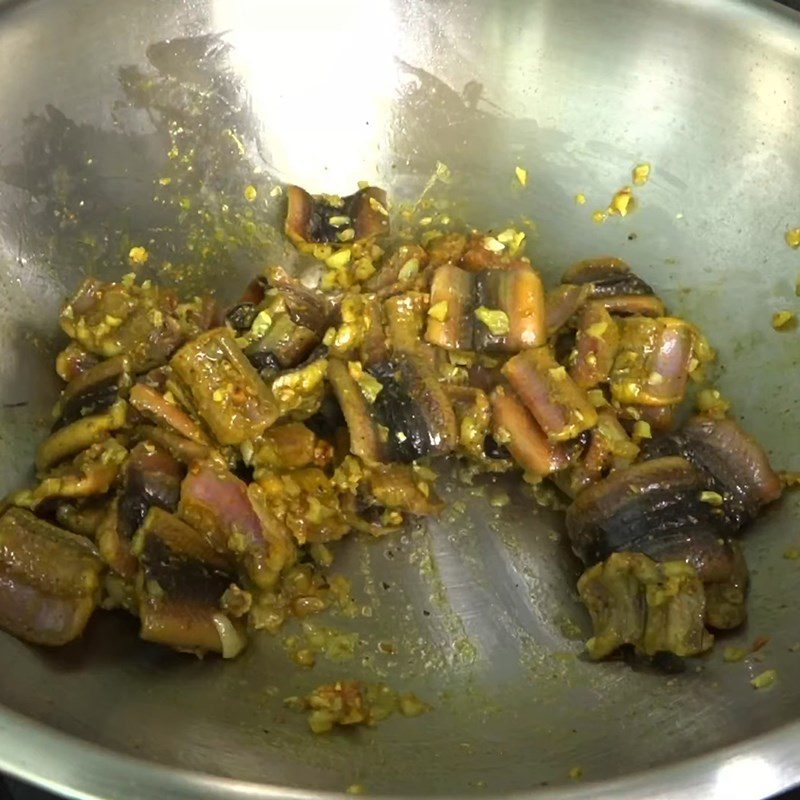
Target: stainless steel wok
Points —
{"points": [[325, 94]]}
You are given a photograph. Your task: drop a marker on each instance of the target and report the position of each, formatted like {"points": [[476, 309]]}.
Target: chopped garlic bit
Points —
{"points": [[338, 260], [765, 679], [711, 402], [641, 174], [138, 255], [492, 244], [363, 269], [376, 205], [321, 251], [250, 193], [580, 199], [597, 398], [248, 451], [512, 239], [339, 221], [494, 319], [502, 436], [622, 202], [782, 319], [599, 216], [333, 200], [792, 237], [347, 235], [370, 387], [641, 430], [409, 270], [438, 311], [712, 498], [522, 175], [276, 191], [597, 328], [261, 324]]}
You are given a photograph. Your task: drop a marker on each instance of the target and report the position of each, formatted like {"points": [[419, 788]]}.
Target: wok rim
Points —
{"points": [[83, 770]]}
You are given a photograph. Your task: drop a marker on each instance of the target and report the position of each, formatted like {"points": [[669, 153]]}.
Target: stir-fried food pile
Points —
{"points": [[200, 460]]}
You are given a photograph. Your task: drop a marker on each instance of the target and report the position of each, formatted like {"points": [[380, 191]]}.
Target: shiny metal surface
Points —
{"points": [[326, 94]]}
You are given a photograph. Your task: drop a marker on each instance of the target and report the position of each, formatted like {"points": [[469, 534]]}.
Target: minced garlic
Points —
{"points": [[494, 319], [438, 311]]}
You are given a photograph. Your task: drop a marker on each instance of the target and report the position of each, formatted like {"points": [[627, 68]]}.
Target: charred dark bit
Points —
{"points": [[734, 465], [668, 663], [49, 579], [493, 449], [414, 408], [93, 391], [242, 316], [321, 219], [327, 421], [183, 581], [656, 508], [283, 346], [152, 477]]}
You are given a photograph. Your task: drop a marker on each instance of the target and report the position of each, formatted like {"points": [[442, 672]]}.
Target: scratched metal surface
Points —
{"points": [[480, 606]]}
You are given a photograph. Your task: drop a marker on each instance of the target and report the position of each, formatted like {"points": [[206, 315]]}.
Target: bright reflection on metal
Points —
{"points": [[317, 73], [746, 776]]}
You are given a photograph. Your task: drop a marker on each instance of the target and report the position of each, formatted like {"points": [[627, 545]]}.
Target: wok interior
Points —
{"points": [[576, 93]]}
